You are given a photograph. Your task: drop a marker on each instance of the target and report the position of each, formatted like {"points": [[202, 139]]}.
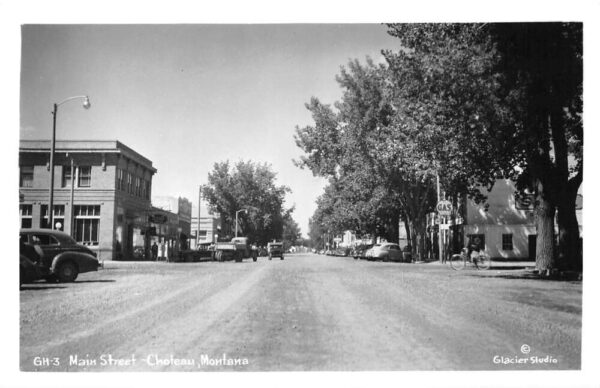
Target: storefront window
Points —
{"points": [[59, 217], [87, 224]]}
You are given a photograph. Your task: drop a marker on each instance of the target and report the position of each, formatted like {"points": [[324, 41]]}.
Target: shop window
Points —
{"points": [[84, 178], [26, 178], [59, 217], [26, 215], [87, 224], [507, 242]]}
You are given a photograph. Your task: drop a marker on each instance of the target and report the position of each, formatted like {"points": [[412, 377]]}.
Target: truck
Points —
{"points": [[275, 249], [237, 249]]}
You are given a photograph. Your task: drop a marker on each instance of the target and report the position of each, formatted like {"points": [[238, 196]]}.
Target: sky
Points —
{"points": [[187, 96]]}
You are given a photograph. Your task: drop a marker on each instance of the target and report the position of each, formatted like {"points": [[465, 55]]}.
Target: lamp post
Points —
{"points": [[236, 219], [86, 105]]}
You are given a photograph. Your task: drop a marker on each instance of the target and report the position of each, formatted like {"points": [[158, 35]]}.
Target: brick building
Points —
{"points": [[109, 183]]}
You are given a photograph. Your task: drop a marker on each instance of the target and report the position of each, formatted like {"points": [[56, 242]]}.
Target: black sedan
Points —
{"points": [[62, 258]]}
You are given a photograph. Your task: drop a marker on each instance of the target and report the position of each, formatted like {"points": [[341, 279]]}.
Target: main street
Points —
{"points": [[308, 312]]}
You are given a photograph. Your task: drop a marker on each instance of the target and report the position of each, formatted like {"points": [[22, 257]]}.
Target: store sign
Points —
{"points": [[158, 219], [444, 208]]}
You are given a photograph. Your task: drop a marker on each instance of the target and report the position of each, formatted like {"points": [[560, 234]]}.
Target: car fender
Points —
{"points": [[84, 261]]}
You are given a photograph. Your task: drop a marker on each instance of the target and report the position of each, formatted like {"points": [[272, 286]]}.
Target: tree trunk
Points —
{"points": [[569, 246], [545, 258], [569, 253], [407, 228], [392, 229]]}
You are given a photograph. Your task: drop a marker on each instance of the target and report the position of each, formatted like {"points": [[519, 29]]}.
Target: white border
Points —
{"points": [[15, 13]]}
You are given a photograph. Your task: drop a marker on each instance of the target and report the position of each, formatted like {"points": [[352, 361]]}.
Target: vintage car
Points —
{"points": [[358, 252], [384, 252], [29, 262], [275, 249], [62, 258]]}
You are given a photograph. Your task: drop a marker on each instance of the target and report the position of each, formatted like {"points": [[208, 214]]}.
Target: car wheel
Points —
{"points": [[281, 257], [237, 257], [67, 272]]}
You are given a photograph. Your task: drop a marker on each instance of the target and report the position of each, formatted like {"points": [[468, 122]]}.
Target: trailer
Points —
{"points": [[237, 249]]}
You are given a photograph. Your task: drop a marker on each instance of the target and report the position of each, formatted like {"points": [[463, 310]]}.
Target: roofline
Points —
{"points": [[85, 146]]}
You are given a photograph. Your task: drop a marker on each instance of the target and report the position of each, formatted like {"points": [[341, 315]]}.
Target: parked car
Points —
{"points": [[63, 259], [29, 262], [358, 252], [384, 252]]}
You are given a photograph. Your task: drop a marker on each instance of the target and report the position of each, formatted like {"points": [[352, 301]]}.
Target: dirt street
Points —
{"points": [[307, 312]]}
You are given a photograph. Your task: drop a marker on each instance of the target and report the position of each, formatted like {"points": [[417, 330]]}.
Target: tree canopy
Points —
{"points": [[469, 103], [251, 186]]}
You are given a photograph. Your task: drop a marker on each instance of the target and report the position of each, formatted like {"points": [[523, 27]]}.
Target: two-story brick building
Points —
{"points": [[102, 193]]}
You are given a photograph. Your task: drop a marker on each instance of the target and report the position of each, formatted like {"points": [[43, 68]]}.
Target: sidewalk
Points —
{"points": [[501, 265]]}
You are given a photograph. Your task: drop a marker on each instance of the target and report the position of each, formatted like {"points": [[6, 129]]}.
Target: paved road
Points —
{"points": [[307, 312]]}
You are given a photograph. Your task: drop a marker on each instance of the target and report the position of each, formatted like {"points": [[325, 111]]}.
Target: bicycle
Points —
{"points": [[460, 261]]}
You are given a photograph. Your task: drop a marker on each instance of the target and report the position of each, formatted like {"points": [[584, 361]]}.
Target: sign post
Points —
{"points": [[444, 209]]}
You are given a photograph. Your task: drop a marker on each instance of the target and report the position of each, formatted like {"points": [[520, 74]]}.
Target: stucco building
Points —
{"points": [[505, 227]]}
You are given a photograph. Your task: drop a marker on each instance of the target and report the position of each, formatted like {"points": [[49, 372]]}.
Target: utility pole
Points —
{"points": [[199, 206], [72, 216], [440, 239]]}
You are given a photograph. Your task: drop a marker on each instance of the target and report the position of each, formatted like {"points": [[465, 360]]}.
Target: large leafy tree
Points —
{"points": [[250, 186], [543, 67], [492, 97], [364, 146]]}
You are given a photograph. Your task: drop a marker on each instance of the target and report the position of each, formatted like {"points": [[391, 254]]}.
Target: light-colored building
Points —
{"points": [[210, 225], [506, 229], [110, 185]]}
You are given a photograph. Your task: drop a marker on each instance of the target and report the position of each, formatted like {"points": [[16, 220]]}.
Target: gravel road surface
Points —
{"points": [[307, 312]]}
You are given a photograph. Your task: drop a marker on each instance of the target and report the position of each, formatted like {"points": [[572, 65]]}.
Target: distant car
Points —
{"points": [[275, 249], [63, 259], [358, 252], [384, 252]]}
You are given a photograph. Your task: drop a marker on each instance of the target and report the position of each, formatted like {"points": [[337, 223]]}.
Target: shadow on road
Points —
{"points": [[521, 276], [50, 286], [30, 288], [95, 281]]}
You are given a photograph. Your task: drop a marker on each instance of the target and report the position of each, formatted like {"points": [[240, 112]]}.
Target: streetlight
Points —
{"points": [[86, 105], [236, 219]]}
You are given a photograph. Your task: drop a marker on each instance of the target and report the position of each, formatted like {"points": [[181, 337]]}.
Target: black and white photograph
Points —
{"points": [[218, 198]]}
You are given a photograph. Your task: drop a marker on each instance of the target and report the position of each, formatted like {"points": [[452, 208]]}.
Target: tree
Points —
{"points": [[291, 231], [365, 146], [248, 186], [500, 96], [543, 64]]}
